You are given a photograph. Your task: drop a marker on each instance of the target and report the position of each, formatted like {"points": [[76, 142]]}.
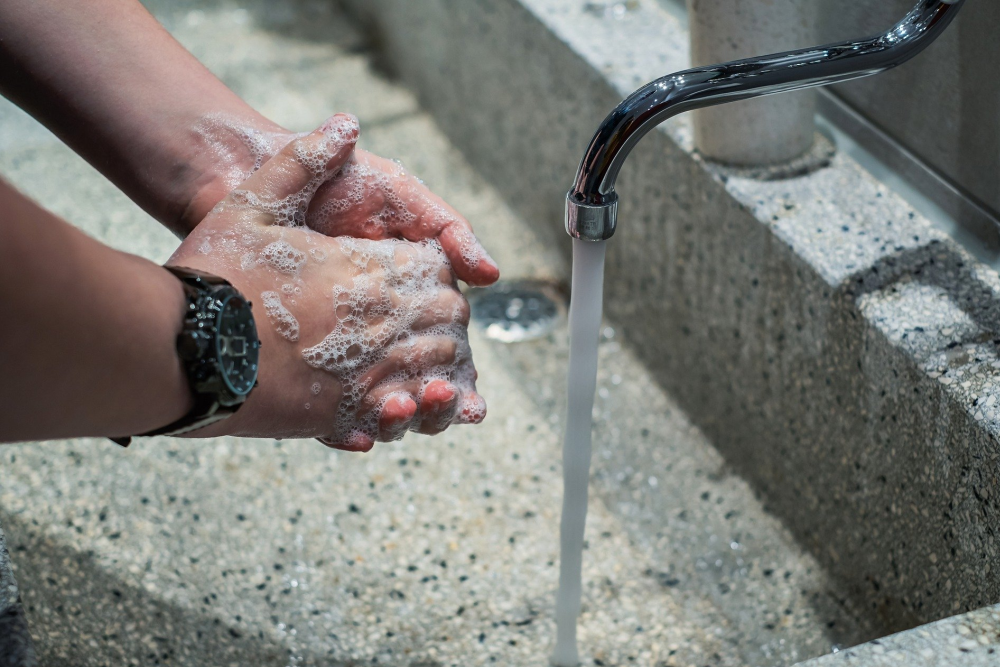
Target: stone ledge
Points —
{"points": [[16, 649], [838, 349], [970, 640]]}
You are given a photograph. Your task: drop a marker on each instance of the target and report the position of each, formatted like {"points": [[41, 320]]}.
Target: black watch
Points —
{"points": [[219, 349]]}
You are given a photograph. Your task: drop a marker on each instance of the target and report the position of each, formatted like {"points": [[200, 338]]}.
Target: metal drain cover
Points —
{"points": [[517, 310]]}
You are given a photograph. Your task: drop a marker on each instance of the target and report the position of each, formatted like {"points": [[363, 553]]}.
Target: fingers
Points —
{"points": [[303, 165], [376, 199], [441, 405], [411, 403], [468, 257], [431, 218], [398, 411], [423, 353], [437, 406], [449, 307]]}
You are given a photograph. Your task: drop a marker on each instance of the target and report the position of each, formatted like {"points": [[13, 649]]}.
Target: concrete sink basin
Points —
{"points": [[796, 431]]}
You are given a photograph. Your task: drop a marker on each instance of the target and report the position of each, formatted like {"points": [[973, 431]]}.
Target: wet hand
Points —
{"points": [[370, 197], [375, 198], [362, 339]]}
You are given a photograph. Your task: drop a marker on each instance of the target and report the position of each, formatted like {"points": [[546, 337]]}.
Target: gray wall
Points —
{"points": [[944, 105]]}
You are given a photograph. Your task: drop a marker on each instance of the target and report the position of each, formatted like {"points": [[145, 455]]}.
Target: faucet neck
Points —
{"points": [[592, 202]]}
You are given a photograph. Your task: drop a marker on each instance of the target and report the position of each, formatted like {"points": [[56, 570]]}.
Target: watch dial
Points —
{"points": [[238, 345]]}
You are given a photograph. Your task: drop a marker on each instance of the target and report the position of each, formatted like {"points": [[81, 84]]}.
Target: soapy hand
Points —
{"points": [[362, 339], [370, 197]]}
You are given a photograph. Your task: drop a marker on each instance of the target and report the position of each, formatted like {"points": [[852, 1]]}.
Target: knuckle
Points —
{"points": [[463, 311], [449, 348]]}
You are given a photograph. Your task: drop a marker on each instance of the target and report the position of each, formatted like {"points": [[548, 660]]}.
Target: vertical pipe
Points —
{"points": [[753, 132]]}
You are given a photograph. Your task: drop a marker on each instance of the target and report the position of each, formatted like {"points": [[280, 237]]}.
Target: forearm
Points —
{"points": [[87, 345], [112, 83]]}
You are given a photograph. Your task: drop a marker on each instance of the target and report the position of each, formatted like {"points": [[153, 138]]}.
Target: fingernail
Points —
{"points": [[440, 392], [342, 127], [396, 429], [489, 260], [448, 394]]}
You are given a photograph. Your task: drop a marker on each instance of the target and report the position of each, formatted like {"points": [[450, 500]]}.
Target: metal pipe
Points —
{"points": [[592, 203]]}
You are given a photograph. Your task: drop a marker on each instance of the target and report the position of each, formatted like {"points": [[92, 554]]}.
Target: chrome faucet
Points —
{"points": [[592, 204]]}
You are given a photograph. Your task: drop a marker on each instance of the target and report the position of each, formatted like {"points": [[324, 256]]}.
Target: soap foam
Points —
{"points": [[283, 257], [411, 274], [238, 149], [365, 183], [290, 211], [284, 322]]}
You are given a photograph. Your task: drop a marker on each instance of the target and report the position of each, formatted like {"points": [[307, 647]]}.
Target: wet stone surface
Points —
{"points": [[837, 348], [16, 647], [422, 553], [970, 640]]}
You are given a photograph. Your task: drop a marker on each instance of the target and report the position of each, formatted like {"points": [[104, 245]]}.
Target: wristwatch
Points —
{"points": [[219, 349]]}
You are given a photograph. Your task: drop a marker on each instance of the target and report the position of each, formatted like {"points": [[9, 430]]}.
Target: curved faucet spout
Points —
{"points": [[592, 204]]}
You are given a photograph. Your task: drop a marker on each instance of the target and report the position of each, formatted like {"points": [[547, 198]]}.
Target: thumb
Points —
{"points": [[303, 165]]}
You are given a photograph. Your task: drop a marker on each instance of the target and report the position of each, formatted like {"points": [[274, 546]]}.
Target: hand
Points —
{"points": [[362, 339], [371, 197]]}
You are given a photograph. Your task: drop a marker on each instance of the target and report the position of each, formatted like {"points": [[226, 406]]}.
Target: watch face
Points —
{"points": [[237, 345]]}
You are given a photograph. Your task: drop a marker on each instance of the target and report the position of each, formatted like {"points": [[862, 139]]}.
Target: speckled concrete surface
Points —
{"points": [[16, 647], [970, 640], [837, 349], [424, 553]]}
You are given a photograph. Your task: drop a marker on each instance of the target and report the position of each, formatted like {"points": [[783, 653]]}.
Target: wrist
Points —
{"points": [[223, 150], [157, 391], [218, 351], [235, 423]]}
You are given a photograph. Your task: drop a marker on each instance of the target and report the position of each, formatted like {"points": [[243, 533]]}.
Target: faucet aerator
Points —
{"points": [[589, 222]]}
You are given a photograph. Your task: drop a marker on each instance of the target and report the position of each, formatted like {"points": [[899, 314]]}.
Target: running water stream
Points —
{"points": [[585, 327]]}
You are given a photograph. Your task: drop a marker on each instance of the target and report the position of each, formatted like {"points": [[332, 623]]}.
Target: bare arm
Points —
{"points": [[112, 83], [87, 344]]}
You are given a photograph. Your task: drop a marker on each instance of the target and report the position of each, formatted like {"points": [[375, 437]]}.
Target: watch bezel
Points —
{"points": [[222, 304]]}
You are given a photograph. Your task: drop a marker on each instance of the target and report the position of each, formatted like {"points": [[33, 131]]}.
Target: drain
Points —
{"points": [[517, 310]]}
